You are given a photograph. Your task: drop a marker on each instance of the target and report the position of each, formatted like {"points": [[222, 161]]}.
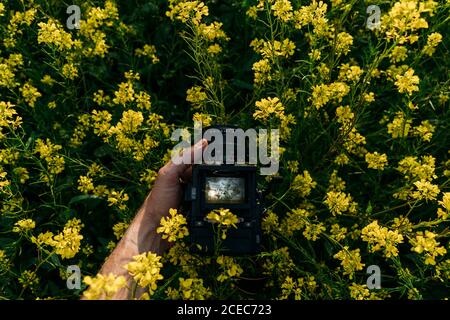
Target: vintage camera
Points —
{"points": [[229, 186]]}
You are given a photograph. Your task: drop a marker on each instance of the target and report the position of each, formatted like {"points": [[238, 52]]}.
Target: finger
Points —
{"points": [[186, 176], [194, 153]]}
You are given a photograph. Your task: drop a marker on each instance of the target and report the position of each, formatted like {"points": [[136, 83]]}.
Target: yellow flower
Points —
{"points": [[425, 242], [303, 184], [432, 42], [30, 94], [67, 243], [148, 51], [278, 263], [214, 49], [212, 32], [350, 261], [145, 270], [338, 233], [69, 71], [119, 229], [187, 11], [323, 93], [400, 126], [407, 82], [338, 202], [425, 130], [359, 292], [270, 223], [48, 151], [349, 73], [343, 43], [193, 289], [382, 238], [398, 54], [117, 199], [268, 107], [24, 225], [425, 190], [196, 96], [204, 118], [404, 19], [376, 161], [173, 227], [4, 262], [230, 269], [294, 221], [225, 218], [103, 287], [52, 32], [414, 169], [262, 70], [289, 286], [282, 9], [28, 279], [312, 231]]}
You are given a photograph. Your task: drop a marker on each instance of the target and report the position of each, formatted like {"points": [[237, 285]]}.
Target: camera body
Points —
{"points": [[228, 186]]}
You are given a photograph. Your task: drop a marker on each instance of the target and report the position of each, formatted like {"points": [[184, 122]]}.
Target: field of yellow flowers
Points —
{"points": [[86, 116]]}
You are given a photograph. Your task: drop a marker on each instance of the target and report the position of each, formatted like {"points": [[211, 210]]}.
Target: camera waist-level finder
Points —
{"points": [[228, 186]]}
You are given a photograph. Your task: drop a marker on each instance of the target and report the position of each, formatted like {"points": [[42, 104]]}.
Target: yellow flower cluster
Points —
{"points": [[53, 33], [425, 242], [381, 238], [196, 96], [303, 184], [119, 229], [339, 202], [404, 20], [90, 29], [294, 220], [425, 190], [30, 94], [4, 262], [8, 67], [289, 287], [67, 243], [349, 73], [190, 289], [145, 270], [350, 261], [173, 227], [103, 287], [268, 107], [445, 203], [408, 82], [313, 230], [187, 11], [376, 161], [48, 151], [18, 19], [230, 269], [148, 51], [432, 42], [24, 225], [225, 218], [278, 264], [271, 50], [324, 93], [28, 279]]}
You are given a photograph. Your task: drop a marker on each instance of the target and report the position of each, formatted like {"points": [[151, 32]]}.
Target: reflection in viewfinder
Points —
{"points": [[225, 190]]}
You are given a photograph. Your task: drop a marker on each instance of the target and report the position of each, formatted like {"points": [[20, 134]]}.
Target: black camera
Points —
{"points": [[225, 185]]}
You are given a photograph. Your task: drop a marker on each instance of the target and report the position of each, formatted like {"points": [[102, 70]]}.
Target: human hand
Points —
{"points": [[167, 190]]}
